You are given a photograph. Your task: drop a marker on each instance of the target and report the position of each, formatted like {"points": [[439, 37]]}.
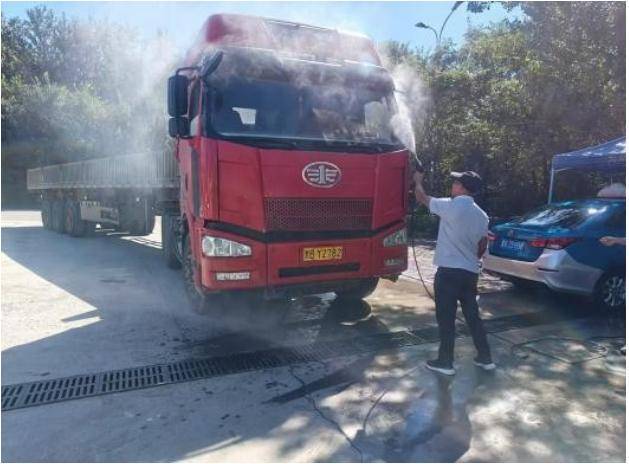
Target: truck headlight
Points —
{"points": [[223, 248], [397, 238]]}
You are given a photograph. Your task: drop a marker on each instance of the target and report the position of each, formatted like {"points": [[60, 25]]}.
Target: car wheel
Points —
{"points": [[610, 293]]}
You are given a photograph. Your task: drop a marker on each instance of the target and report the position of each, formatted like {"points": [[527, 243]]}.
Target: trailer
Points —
{"points": [[123, 192]]}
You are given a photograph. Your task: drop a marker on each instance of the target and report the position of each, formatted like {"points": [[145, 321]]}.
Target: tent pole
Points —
{"points": [[552, 184]]}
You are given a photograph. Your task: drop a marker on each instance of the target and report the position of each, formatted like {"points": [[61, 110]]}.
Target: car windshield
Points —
{"points": [[562, 215], [284, 108]]}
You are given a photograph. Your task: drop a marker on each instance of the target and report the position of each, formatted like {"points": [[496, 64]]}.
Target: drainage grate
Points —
{"points": [[83, 386]]}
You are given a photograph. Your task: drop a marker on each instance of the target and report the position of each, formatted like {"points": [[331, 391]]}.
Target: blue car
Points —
{"points": [[559, 246]]}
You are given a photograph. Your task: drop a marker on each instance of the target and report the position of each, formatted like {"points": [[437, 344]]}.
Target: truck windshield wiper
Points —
{"points": [[313, 144], [264, 142], [359, 146]]}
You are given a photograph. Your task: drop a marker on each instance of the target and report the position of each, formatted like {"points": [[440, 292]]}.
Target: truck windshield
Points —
{"points": [[278, 109]]}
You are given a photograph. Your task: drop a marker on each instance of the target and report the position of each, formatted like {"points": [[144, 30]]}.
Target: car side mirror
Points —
{"points": [[179, 127], [177, 95]]}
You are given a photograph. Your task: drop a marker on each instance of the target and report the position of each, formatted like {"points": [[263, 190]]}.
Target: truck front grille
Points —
{"points": [[321, 214]]}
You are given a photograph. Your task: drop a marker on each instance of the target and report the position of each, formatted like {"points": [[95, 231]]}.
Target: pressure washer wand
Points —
{"points": [[413, 207]]}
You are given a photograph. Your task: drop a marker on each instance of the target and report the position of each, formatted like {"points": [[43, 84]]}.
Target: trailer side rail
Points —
{"points": [[138, 171]]}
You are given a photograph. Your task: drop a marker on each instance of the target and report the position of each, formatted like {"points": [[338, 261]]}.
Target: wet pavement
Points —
{"points": [[75, 306]]}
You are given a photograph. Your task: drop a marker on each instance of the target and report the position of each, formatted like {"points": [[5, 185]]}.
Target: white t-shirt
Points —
{"points": [[463, 224]]}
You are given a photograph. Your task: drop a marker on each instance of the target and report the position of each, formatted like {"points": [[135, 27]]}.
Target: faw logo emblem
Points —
{"points": [[321, 174]]}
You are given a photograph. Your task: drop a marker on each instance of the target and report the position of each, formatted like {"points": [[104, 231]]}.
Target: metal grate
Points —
{"points": [[320, 214], [83, 386]]}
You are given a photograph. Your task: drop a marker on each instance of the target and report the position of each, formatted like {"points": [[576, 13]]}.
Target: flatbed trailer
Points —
{"points": [[120, 191]]}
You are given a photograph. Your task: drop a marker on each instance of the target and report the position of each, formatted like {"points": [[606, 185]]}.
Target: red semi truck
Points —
{"points": [[287, 176]]}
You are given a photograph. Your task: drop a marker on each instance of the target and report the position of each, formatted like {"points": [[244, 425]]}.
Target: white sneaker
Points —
{"points": [[440, 367], [486, 366]]}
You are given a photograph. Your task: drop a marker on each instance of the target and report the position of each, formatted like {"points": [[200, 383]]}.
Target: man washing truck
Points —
{"points": [[461, 242], [288, 176]]}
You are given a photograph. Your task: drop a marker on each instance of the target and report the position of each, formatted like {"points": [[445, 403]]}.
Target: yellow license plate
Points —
{"points": [[323, 253]]}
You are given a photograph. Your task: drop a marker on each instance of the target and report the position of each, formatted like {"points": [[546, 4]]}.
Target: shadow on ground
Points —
{"points": [[385, 406]]}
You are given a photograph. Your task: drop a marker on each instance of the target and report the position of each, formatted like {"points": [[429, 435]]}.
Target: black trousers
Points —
{"points": [[453, 285]]}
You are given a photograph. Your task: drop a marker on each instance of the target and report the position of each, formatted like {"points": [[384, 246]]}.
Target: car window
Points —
{"points": [[563, 215]]}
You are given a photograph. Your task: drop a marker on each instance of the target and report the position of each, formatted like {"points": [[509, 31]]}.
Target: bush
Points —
{"points": [[424, 225]]}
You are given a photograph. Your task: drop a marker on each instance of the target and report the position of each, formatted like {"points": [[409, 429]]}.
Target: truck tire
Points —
{"points": [[74, 225], [169, 245], [57, 216], [610, 293], [199, 301], [46, 214], [140, 227], [363, 289]]}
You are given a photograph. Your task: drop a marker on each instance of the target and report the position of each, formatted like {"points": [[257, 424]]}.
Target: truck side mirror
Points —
{"points": [[179, 127], [177, 95], [211, 64]]}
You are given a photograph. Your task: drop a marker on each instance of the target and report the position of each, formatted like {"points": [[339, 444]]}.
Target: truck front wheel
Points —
{"points": [[199, 301], [169, 243], [361, 290]]}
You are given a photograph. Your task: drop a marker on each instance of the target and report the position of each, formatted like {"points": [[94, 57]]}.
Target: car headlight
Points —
{"points": [[397, 238], [223, 248]]}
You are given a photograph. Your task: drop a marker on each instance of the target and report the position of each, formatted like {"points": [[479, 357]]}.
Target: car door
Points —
{"points": [[615, 226]]}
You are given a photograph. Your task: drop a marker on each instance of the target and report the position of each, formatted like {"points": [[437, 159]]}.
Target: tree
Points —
{"points": [[517, 92], [78, 89]]}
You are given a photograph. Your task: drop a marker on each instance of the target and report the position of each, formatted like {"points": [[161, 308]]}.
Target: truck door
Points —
{"points": [[189, 156]]}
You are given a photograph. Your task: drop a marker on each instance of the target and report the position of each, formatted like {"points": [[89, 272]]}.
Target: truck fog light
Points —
{"points": [[216, 247], [394, 262], [233, 275], [397, 238]]}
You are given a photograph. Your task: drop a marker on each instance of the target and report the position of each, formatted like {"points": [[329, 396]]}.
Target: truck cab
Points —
{"points": [[292, 180]]}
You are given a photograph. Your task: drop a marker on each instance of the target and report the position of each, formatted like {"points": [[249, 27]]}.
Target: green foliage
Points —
{"points": [[424, 225], [510, 97], [74, 89], [516, 93]]}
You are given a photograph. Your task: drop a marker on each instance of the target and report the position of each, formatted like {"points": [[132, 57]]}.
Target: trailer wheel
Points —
{"points": [[169, 244], [57, 216], [46, 214], [140, 227], [199, 301], [74, 225], [362, 290]]}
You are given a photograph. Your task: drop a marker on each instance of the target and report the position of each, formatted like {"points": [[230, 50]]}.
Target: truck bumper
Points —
{"points": [[280, 268]]}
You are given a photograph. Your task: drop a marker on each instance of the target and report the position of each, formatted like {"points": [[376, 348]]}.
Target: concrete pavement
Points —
{"points": [[74, 306]]}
